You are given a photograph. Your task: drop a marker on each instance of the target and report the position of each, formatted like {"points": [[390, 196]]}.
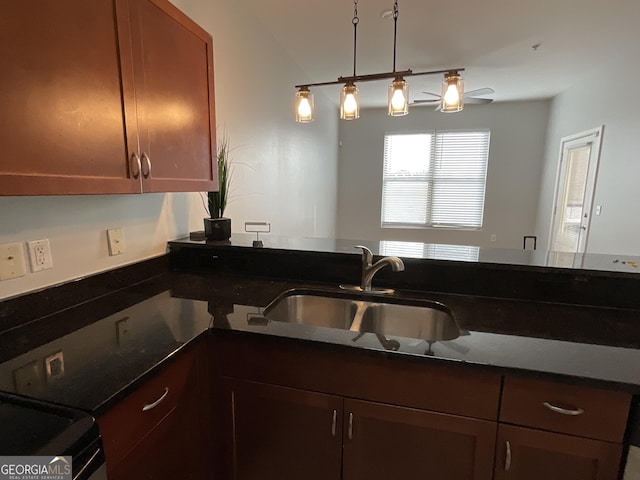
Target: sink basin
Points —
{"points": [[425, 320], [316, 310]]}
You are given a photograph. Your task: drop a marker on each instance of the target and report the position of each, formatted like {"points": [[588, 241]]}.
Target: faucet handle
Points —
{"points": [[367, 255]]}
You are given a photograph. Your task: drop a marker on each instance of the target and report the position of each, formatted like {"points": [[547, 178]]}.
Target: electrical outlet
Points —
{"points": [[12, 262], [493, 237], [116, 241], [40, 255]]}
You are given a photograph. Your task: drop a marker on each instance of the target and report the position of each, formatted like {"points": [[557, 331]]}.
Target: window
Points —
{"points": [[435, 179], [463, 253]]}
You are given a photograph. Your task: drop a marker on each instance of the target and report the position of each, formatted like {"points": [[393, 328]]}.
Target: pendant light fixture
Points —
{"points": [[452, 97], [304, 105], [349, 100], [398, 100], [398, 93]]}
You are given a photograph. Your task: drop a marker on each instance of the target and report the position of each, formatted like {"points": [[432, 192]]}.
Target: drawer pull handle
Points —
{"points": [[333, 425], [150, 406], [507, 458], [350, 426], [563, 411]]}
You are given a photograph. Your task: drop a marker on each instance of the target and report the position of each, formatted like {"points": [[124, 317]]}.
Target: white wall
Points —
{"points": [[286, 173], [610, 101], [518, 132]]}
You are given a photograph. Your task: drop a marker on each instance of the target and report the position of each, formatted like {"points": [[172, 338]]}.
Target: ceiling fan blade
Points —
{"points": [[428, 102], [478, 101], [480, 91], [435, 95]]}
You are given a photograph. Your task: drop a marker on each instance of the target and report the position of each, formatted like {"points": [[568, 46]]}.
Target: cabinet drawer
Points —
{"points": [[573, 409], [126, 424]]}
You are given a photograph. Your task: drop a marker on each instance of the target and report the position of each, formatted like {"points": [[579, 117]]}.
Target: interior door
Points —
{"points": [[575, 187]]}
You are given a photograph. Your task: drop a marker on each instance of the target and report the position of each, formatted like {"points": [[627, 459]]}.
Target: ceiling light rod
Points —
{"points": [[378, 76], [395, 32]]}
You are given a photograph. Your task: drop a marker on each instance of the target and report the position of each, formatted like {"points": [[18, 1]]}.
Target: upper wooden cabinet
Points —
{"points": [[88, 88], [170, 74]]}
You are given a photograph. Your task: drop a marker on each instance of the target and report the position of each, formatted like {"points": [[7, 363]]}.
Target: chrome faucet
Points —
{"points": [[369, 269]]}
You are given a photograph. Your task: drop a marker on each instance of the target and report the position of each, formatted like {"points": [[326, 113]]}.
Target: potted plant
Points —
{"points": [[217, 227]]}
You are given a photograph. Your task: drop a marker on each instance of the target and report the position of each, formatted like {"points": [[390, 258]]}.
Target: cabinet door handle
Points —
{"points": [[333, 425], [507, 458], [147, 160], [137, 165], [563, 411], [152, 405], [350, 430]]}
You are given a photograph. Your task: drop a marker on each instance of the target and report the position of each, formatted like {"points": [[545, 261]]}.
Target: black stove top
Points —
{"points": [[32, 427]]}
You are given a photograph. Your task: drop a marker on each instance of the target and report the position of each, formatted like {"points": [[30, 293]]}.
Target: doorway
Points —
{"points": [[575, 188]]}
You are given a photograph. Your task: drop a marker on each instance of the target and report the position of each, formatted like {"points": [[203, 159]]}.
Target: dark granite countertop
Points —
{"points": [[108, 345], [600, 346], [112, 343]]}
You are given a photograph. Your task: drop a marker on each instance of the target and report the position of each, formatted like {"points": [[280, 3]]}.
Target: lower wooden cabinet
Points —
{"points": [[389, 418], [280, 433], [162, 454], [528, 454], [160, 430], [287, 434], [385, 441]]}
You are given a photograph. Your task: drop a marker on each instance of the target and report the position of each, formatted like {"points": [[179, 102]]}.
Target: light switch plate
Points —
{"points": [[12, 262], [54, 365], [116, 241], [29, 378]]}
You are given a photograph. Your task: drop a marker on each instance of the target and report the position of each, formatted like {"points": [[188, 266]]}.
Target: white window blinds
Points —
{"points": [[435, 179]]}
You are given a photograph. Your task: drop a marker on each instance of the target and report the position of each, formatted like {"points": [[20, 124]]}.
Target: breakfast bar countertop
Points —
{"points": [[112, 343]]}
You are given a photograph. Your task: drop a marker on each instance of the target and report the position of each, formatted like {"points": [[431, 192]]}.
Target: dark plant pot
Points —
{"points": [[217, 228]]}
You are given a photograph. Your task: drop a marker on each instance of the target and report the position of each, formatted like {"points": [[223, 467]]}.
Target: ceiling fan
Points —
{"points": [[470, 97]]}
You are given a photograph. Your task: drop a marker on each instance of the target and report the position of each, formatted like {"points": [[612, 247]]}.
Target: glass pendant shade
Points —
{"points": [[349, 102], [398, 98], [304, 105], [452, 93]]}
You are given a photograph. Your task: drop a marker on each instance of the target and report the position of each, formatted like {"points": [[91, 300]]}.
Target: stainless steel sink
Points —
{"points": [[426, 323], [430, 321], [317, 310]]}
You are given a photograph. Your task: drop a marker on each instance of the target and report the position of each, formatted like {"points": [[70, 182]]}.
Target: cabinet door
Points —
{"points": [[384, 442], [162, 454], [61, 99], [172, 75], [527, 454], [280, 433]]}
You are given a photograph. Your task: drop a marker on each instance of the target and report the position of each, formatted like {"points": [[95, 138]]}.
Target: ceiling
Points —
{"points": [[492, 39]]}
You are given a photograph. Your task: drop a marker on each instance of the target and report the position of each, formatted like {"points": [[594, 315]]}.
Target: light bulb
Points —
{"points": [[350, 104], [452, 97], [304, 105], [349, 107], [398, 100], [304, 108]]}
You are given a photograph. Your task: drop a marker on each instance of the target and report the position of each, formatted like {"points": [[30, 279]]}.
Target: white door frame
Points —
{"points": [[594, 163]]}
